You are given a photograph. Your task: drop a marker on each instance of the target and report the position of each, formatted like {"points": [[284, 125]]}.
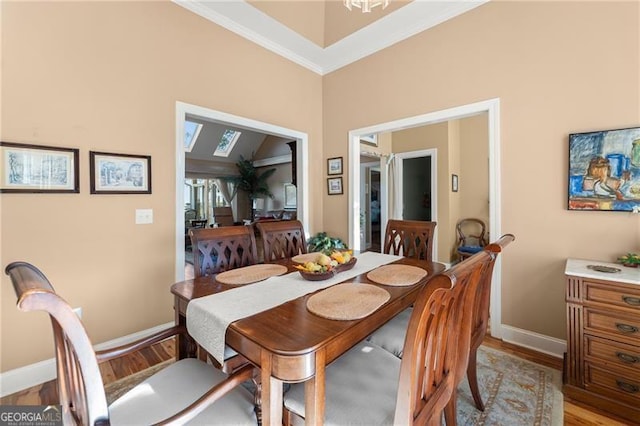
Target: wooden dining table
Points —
{"points": [[290, 344]]}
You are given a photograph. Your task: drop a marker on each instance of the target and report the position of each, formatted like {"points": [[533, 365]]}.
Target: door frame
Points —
{"points": [[302, 157], [492, 108], [401, 156]]}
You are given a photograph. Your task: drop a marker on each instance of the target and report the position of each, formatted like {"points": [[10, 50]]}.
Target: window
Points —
{"points": [[227, 142], [191, 132]]}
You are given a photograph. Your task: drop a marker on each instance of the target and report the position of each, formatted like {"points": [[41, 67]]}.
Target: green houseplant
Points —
{"points": [[630, 259], [251, 181], [324, 243]]}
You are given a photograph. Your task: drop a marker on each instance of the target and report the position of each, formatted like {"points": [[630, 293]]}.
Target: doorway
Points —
{"points": [[302, 157], [492, 108]]}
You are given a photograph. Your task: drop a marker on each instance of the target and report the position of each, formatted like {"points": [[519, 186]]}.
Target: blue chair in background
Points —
{"points": [[471, 237]]}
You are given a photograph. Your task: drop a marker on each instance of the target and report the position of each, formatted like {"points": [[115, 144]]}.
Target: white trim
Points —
{"points": [[254, 25], [433, 154], [15, 380], [272, 161], [302, 139], [538, 342], [492, 107]]}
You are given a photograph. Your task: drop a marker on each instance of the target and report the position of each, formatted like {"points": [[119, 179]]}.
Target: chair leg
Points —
{"points": [[472, 376], [451, 409]]}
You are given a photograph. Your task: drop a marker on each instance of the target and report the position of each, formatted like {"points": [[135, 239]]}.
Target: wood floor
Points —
{"points": [[574, 414]]}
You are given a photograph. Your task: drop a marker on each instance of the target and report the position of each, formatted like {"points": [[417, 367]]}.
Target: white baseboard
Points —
{"points": [[13, 381], [531, 340]]}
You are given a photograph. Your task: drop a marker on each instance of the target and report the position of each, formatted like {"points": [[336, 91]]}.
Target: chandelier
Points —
{"points": [[365, 5]]}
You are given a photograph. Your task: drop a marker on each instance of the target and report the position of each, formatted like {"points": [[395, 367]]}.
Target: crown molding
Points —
{"points": [[245, 20]]}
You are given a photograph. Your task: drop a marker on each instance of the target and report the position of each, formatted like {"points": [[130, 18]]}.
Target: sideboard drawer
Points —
{"points": [[608, 352], [612, 295], [624, 387], [624, 327]]}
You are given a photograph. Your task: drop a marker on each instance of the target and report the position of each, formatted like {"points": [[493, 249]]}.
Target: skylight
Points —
{"points": [[191, 132], [227, 142]]}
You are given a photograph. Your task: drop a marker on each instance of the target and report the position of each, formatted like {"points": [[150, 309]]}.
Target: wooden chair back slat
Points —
{"points": [[281, 240], [410, 238], [220, 249]]}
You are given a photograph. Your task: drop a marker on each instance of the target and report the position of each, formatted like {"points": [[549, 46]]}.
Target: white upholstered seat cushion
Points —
{"points": [[391, 335], [360, 388], [174, 388]]}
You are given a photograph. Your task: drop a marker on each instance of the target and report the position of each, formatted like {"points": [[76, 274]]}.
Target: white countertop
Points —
{"points": [[579, 268]]}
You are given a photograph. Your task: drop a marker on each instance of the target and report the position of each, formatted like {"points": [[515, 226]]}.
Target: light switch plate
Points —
{"points": [[144, 216]]}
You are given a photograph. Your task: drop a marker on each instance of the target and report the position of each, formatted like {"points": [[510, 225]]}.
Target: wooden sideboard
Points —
{"points": [[602, 363]]}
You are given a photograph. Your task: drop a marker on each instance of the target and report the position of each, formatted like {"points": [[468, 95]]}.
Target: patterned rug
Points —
{"points": [[515, 392]]}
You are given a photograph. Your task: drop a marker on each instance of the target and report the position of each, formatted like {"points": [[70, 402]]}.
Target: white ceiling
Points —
{"points": [[243, 19]]}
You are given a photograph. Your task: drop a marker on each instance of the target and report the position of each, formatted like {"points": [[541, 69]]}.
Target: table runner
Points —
{"points": [[208, 317]]}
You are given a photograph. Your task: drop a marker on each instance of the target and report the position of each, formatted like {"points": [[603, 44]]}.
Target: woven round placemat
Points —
{"points": [[347, 301], [250, 274], [397, 275], [305, 257]]}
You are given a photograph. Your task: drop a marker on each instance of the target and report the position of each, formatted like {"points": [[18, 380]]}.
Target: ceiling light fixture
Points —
{"points": [[365, 5]]}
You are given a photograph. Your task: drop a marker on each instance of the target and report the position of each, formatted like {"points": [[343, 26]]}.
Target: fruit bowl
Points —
{"points": [[325, 275], [318, 276], [346, 266], [325, 266]]}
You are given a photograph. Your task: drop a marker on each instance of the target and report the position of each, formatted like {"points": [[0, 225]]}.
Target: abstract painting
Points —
{"points": [[604, 170]]}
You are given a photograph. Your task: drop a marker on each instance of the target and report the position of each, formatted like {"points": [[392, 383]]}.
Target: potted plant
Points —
{"points": [[324, 243], [251, 181], [631, 260]]}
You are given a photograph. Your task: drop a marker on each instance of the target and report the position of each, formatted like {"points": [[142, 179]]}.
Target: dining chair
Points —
{"points": [[185, 390], [281, 240], [220, 249], [223, 216], [368, 385], [391, 336], [217, 250], [410, 238], [471, 237]]}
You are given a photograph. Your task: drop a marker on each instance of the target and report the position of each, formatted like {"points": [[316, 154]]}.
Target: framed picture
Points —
{"points": [[334, 185], [454, 183], [334, 166], [369, 139], [604, 170], [38, 169], [119, 173], [290, 196]]}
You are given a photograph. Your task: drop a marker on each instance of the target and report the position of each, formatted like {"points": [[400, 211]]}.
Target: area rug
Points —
{"points": [[516, 392]]}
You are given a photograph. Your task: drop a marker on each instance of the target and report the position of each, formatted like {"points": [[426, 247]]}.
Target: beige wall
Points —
{"points": [[106, 76], [557, 67]]}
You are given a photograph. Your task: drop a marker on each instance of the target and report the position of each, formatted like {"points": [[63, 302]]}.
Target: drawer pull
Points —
{"points": [[626, 328], [627, 387], [629, 359], [633, 301]]}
